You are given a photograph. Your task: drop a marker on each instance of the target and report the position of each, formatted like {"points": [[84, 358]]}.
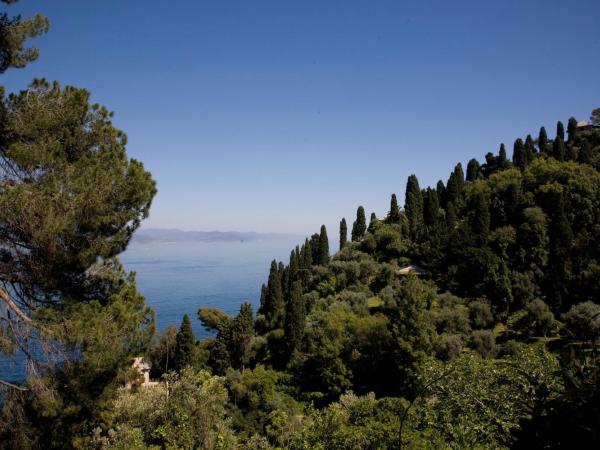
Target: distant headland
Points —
{"points": [[146, 236]]}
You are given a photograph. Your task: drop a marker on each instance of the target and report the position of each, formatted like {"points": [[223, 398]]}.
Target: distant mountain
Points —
{"points": [[144, 236]]}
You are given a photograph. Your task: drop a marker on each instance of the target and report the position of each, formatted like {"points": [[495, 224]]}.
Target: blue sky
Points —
{"points": [[277, 116]]}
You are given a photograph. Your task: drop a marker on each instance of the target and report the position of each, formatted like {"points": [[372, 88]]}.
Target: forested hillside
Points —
{"points": [[469, 318]]}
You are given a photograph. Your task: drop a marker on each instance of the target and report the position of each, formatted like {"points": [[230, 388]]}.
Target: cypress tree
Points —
{"points": [[560, 131], [473, 168], [263, 299], [452, 190], [441, 190], [241, 333], [543, 141], [274, 304], [585, 154], [360, 225], [185, 343], [372, 223], [343, 233], [394, 216], [529, 148], [307, 257], [480, 218], [502, 158], [432, 208], [558, 149], [450, 215], [295, 319], [460, 177], [314, 245], [293, 268], [323, 246], [572, 130], [414, 205], [519, 158]]}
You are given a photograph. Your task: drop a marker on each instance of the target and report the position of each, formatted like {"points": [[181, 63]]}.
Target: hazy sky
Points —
{"points": [[282, 115]]}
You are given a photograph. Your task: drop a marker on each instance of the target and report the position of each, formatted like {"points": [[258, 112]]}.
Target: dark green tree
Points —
{"points": [[543, 141], [14, 32], [295, 319], [431, 210], [502, 158], [343, 233], [66, 209], [394, 215], [185, 345], [360, 225], [460, 177], [372, 223], [572, 130], [450, 215], [480, 217], [560, 131], [440, 188], [241, 332], [413, 206], [323, 246], [530, 149], [519, 156], [558, 149], [273, 307], [473, 170]]}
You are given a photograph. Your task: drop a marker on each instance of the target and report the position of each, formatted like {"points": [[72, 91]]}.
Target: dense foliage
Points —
{"points": [[468, 319]]}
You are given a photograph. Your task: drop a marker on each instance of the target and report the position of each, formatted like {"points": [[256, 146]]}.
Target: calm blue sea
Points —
{"points": [[180, 277]]}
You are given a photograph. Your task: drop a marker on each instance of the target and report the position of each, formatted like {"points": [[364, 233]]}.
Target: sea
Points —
{"points": [[178, 278]]}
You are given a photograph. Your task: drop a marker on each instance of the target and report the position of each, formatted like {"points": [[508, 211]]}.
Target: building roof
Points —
{"points": [[412, 268], [140, 364]]}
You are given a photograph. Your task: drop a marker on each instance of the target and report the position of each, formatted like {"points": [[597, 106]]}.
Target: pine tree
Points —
{"points": [[360, 225], [519, 158], [560, 131], [558, 149], [295, 319], [543, 141], [73, 203], [323, 246], [414, 206], [394, 216], [14, 32], [343, 233], [185, 344], [473, 168], [372, 223], [572, 130]]}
